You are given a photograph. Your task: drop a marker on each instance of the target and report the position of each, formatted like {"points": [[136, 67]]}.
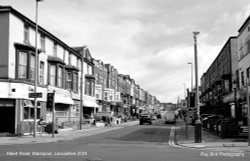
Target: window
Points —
{"points": [[32, 68], [69, 60], [69, 81], [55, 50], [26, 33], [248, 46], [29, 110], [97, 96], [23, 65], [106, 96], [87, 87], [41, 73], [52, 75], [60, 77], [42, 41], [75, 82], [242, 79]]}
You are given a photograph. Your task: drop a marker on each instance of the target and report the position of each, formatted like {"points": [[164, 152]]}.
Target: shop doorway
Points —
{"points": [[7, 119]]}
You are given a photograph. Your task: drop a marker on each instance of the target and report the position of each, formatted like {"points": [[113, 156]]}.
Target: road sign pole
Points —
{"points": [[248, 105], [187, 115], [53, 115]]}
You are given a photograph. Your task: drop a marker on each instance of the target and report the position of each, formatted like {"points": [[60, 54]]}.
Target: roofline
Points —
{"points": [[33, 24], [231, 37], [244, 24]]}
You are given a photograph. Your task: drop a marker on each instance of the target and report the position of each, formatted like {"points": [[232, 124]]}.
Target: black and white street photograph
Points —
{"points": [[124, 80]]}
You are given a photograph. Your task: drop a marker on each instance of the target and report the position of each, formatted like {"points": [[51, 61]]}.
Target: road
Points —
{"points": [[130, 143]]}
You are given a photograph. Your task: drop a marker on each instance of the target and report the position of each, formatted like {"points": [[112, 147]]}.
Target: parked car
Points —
{"points": [[209, 121], [212, 121], [145, 118], [205, 121]]}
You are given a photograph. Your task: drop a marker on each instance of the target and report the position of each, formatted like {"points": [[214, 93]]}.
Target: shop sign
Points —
{"points": [[243, 129], [35, 95]]}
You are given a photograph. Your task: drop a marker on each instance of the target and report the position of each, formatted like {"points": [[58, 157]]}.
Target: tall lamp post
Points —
{"points": [[36, 70], [191, 75], [198, 129], [235, 98], [81, 86], [248, 114]]}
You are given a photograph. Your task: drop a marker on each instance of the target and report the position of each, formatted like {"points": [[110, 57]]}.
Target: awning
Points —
{"points": [[63, 99], [89, 103]]}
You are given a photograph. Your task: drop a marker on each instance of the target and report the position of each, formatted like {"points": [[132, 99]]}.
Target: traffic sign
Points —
{"points": [[35, 95]]}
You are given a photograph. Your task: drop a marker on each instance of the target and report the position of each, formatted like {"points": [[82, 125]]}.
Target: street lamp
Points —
{"points": [[36, 70], [198, 132], [81, 86], [248, 113], [235, 99], [191, 75]]}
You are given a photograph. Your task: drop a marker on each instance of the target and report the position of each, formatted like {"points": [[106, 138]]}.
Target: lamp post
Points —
{"points": [[191, 75], [248, 115], [81, 86], [235, 98], [36, 70], [198, 129]]}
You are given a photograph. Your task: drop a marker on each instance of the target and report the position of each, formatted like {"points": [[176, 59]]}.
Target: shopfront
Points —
{"points": [[7, 116]]}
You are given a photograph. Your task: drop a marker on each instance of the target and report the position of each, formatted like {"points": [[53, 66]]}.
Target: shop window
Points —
{"points": [[29, 110]]}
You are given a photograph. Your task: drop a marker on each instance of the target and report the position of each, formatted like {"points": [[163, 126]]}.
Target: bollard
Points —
{"points": [[198, 131]]}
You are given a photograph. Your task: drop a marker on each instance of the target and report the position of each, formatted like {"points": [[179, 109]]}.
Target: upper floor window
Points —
{"points": [[106, 96], [41, 73], [69, 81], [89, 87], [60, 77], [75, 81], [42, 42], [52, 75], [26, 33], [69, 59], [248, 46], [26, 65], [32, 67], [55, 50], [23, 65]]}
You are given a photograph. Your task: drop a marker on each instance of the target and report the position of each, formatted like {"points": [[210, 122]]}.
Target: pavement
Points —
{"points": [[210, 140], [63, 134]]}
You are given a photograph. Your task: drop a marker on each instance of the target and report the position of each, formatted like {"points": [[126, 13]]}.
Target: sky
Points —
{"points": [[151, 40]]}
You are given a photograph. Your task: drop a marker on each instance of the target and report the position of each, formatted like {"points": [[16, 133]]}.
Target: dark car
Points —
{"points": [[145, 118]]}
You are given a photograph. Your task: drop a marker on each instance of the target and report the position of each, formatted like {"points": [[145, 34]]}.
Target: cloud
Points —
{"points": [[150, 40]]}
